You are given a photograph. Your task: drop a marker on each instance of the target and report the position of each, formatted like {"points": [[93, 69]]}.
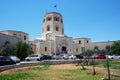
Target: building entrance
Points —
{"points": [[64, 49]]}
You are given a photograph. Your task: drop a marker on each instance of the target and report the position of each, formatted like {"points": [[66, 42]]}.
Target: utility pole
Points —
{"points": [[108, 68], [108, 65]]}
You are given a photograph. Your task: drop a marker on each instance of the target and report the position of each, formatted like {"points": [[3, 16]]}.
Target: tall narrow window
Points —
{"points": [[57, 28], [87, 41], [24, 37], [56, 19], [79, 41], [45, 48], [48, 28], [62, 31], [76, 49], [48, 18], [61, 21]]}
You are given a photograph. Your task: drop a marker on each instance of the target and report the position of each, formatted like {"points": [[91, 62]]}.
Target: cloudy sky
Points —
{"points": [[95, 19]]}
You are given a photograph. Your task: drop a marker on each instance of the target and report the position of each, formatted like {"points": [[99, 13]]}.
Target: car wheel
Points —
{"points": [[38, 59], [27, 60]]}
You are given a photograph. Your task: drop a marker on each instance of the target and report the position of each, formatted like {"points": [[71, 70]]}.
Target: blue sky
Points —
{"points": [[95, 19]]}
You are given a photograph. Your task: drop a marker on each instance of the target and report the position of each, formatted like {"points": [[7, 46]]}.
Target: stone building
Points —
{"points": [[4, 39], [12, 37], [53, 39], [32, 46], [21, 36]]}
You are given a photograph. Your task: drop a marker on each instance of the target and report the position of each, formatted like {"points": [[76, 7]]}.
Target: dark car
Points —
{"points": [[6, 61], [79, 56], [46, 57], [99, 56]]}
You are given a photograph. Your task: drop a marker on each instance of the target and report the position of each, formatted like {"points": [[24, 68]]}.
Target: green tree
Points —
{"points": [[89, 53], [101, 51], [22, 50], [6, 49], [116, 47], [1, 50]]}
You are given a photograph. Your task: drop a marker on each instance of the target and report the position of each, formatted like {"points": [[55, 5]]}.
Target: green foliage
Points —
{"points": [[1, 50], [116, 48], [7, 49], [22, 50], [18, 76], [89, 53], [49, 74], [112, 64], [43, 67]]}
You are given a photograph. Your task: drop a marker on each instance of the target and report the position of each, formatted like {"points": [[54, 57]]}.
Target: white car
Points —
{"points": [[113, 56], [34, 57], [71, 56]]}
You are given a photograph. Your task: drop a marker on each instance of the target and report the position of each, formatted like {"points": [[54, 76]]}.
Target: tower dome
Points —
{"points": [[52, 25]]}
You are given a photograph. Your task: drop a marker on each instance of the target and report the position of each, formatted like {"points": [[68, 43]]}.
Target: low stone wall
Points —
{"points": [[52, 62]]}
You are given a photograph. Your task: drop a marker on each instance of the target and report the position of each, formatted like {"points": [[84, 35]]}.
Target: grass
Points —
{"points": [[44, 72], [112, 64], [54, 72], [18, 76]]}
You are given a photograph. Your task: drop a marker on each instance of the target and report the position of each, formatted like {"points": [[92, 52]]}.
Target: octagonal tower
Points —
{"points": [[52, 25]]}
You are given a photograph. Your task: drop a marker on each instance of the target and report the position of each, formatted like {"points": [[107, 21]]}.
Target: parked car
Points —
{"points": [[63, 56], [34, 57], [71, 56], [55, 56], [113, 56], [14, 58], [46, 57], [99, 56], [79, 56], [4, 60]]}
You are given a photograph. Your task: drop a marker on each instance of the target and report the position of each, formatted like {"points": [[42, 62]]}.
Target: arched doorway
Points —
{"points": [[64, 50]]}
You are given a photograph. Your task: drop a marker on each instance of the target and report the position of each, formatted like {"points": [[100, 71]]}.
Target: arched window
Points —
{"points": [[61, 21], [62, 31], [76, 49], [57, 28], [79, 41], [48, 18], [45, 48], [48, 27], [96, 48], [87, 41], [56, 18], [25, 37]]}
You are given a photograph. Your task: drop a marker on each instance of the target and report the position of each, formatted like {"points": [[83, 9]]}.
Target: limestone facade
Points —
{"points": [[4, 39], [21, 36], [53, 39]]}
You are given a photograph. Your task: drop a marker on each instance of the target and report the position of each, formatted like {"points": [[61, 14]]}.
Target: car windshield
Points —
{"points": [[14, 57], [33, 56]]}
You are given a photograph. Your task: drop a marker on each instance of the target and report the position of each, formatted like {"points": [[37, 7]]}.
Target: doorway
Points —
{"points": [[64, 49]]}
